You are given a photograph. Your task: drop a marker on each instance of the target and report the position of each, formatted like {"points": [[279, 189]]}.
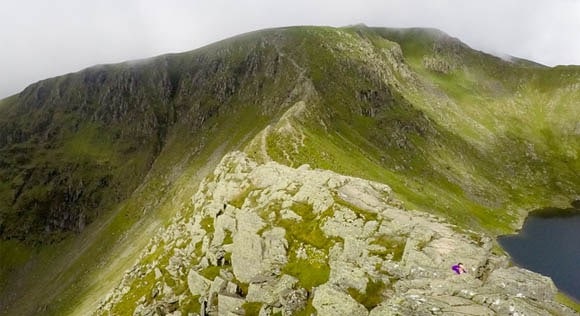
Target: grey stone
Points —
{"points": [[316, 195], [359, 193], [522, 307], [218, 286], [197, 284], [247, 256], [265, 310], [294, 301], [231, 288], [158, 273], [345, 224], [452, 304], [385, 309], [519, 282], [289, 214], [224, 223], [271, 292], [275, 246], [247, 260], [348, 275], [328, 300], [230, 305], [471, 309], [367, 230], [257, 258]]}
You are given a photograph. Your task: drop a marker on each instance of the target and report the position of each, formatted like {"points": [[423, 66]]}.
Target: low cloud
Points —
{"points": [[42, 39]]}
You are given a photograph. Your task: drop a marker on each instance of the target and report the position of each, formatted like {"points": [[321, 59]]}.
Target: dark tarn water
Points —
{"points": [[549, 243]]}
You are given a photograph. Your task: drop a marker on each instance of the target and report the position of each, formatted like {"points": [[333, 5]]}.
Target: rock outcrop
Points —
{"points": [[267, 238], [330, 300]]}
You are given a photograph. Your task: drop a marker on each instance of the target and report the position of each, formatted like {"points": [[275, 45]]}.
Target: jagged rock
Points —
{"points": [[198, 285], [331, 301], [506, 305], [223, 223], [275, 246], [203, 263], [385, 309], [158, 273], [437, 64], [359, 193], [230, 305], [255, 258], [471, 309], [449, 305], [168, 293], [159, 308], [294, 301], [393, 268], [142, 310], [520, 306], [247, 253], [356, 233], [316, 195], [176, 263], [519, 282], [270, 175], [345, 267], [265, 310], [231, 288], [247, 248], [271, 292], [155, 291], [345, 223], [289, 214], [218, 286]]}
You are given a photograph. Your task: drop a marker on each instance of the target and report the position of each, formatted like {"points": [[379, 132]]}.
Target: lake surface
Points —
{"points": [[549, 243]]}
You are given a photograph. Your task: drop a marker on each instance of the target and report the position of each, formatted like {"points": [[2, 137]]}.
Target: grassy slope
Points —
{"points": [[530, 112], [455, 143], [499, 138], [477, 144], [69, 276]]}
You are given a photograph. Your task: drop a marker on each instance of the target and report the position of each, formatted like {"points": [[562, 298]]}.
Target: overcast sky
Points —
{"points": [[41, 38]]}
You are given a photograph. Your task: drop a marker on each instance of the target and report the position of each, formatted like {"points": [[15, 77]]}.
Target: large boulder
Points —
{"points": [[230, 305], [247, 261], [522, 283], [331, 301], [198, 285], [247, 251], [257, 258], [294, 301], [271, 292], [364, 195]]}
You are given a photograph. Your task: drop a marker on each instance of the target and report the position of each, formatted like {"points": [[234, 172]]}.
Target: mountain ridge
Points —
{"points": [[275, 239], [438, 122]]}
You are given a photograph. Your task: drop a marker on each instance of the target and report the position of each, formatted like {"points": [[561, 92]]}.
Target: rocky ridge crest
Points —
{"points": [[269, 239]]}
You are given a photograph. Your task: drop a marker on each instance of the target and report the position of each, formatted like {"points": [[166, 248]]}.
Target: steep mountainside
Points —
{"points": [[92, 163], [75, 145]]}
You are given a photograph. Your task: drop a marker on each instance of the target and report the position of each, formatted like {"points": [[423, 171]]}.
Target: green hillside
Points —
{"points": [[92, 163], [470, 142]]}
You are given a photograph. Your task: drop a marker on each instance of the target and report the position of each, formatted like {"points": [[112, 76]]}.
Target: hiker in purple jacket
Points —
{"points": [[458, 268]]}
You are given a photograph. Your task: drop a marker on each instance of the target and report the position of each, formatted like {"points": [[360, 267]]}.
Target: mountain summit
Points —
{"points": [[95, 164]]}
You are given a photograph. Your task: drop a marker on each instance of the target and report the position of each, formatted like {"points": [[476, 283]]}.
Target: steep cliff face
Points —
{"points": [[77, 145], [114, 151]]}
